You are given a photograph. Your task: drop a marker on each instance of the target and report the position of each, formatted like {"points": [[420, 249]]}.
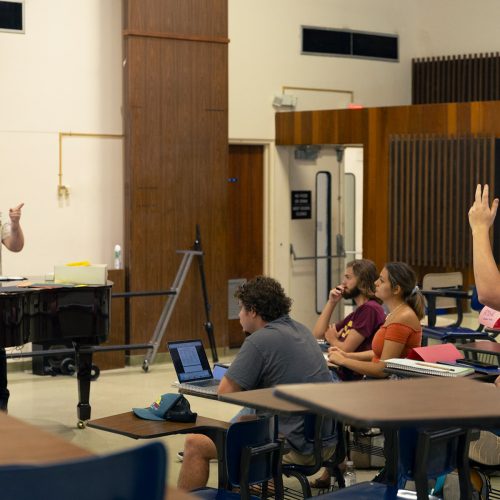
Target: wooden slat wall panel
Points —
{"points": [[176, 154], [463, 78], [429, 194]]}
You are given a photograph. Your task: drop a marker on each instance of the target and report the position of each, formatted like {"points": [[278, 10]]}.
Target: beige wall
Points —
{"points": [[62, 75], [446, 27], [264, 56]]}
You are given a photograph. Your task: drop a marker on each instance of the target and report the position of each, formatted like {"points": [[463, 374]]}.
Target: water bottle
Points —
{"points": [[350, 474], [118, 257]]}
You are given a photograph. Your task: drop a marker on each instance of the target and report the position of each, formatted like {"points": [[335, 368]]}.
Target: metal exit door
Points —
{"points": [[324, 239]]}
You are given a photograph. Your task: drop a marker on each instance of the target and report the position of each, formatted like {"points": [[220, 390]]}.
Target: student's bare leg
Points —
{"points": [[198, 451]]}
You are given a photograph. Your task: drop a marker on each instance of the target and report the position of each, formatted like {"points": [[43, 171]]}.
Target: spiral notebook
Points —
{"points": [[412, 365]]}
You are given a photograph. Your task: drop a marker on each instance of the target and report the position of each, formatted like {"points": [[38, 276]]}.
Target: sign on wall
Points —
{"points": [[301, 204]]}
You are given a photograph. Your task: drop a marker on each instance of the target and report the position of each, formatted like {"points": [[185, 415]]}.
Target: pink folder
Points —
{"points": [[436, 352]]}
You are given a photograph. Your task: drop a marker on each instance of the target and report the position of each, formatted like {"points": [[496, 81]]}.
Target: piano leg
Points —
{"points": [[83, 357]]}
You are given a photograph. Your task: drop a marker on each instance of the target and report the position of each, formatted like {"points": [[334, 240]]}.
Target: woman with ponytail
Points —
{"points": [[397, 288]]}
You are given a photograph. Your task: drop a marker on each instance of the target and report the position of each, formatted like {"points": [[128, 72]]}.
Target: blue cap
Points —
{"points": [[159, 408]]}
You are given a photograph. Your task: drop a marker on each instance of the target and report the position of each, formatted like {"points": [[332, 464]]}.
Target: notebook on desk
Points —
{"points": [[424, 367], [193, 369]]}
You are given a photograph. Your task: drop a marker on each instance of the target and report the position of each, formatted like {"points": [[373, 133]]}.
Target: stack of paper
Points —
{"points": [[412, 365]]}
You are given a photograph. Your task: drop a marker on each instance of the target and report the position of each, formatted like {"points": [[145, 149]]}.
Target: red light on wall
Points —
{"points": [[351, 105]]}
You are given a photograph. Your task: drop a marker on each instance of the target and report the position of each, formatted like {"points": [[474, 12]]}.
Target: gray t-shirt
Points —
{"points": [[283, 352]]}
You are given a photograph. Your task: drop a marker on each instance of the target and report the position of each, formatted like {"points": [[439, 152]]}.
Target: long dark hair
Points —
{"points": [[403, 275]]}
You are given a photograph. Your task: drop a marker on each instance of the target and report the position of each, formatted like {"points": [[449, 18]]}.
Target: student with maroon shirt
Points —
{"points": [[355, 332]]}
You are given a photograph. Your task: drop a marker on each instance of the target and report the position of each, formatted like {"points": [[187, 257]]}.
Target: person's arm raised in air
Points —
{"points": [[15, 241], [487, 277], [323, 323]]}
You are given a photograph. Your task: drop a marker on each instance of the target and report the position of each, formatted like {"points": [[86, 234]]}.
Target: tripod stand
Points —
{"points": [[173, 293]]}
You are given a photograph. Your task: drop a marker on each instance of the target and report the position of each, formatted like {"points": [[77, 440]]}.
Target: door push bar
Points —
{"points": [[318, 257], [341, 252]]}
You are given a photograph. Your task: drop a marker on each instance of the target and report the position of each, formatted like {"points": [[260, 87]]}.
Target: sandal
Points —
{"points": [[320, 484]]}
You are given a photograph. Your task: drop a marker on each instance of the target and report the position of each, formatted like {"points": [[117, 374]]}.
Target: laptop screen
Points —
{"points": [[190, 360]]}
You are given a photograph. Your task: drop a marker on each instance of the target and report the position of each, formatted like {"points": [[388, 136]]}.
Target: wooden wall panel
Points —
{"points": [[176, 159], [371, 127], [195, 18], [427, 223], [462, 78]]}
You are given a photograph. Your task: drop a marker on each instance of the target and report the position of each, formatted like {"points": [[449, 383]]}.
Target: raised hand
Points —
{"points": [[336, 294], [15, 213], [481, 215]]}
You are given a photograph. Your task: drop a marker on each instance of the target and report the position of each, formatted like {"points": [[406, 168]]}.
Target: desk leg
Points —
{"points": [[83, 357], [391, 453], [463, 466]]}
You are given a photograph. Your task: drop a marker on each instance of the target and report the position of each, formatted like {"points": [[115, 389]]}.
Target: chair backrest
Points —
{"points": [[433, 281], [474, 300], [432, 453], [253, 452], [134, 474], [319, 431]]}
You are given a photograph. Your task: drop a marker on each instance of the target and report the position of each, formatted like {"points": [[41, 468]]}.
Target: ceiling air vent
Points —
{"points": [[348, 43], [12, 16]]}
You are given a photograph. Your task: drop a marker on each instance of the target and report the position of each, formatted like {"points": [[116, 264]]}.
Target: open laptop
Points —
{"points": [[193, 369]]}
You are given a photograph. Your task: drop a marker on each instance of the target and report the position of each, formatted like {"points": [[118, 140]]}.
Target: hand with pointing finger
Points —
{"points": [[15, 214]]}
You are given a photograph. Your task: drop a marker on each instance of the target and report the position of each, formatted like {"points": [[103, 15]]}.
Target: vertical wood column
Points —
{"points": [[176, 153]]}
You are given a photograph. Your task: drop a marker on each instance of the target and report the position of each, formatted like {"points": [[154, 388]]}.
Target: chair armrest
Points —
{"points": [[451, 292], [446, 292]]}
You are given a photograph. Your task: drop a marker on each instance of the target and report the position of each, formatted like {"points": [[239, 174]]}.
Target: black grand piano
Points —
{"points": [[52, 313]]}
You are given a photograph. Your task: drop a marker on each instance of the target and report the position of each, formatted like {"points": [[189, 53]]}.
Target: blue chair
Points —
{"points": [[253, 457], [453, 332], [423, 454], [133, 474], [319, 431]]}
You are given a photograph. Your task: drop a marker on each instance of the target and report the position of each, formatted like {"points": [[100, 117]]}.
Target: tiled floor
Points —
{"points": [[50, 403]]}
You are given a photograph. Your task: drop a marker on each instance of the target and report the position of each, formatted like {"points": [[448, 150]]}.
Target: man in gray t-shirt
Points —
{"points": [[278, 350], [282, 352]]}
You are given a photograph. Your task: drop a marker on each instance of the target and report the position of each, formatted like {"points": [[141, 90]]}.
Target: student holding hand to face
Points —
{"points": [[355, 332]]}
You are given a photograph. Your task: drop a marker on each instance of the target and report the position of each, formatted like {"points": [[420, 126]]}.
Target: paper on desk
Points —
{"points": [[489, 317]]}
